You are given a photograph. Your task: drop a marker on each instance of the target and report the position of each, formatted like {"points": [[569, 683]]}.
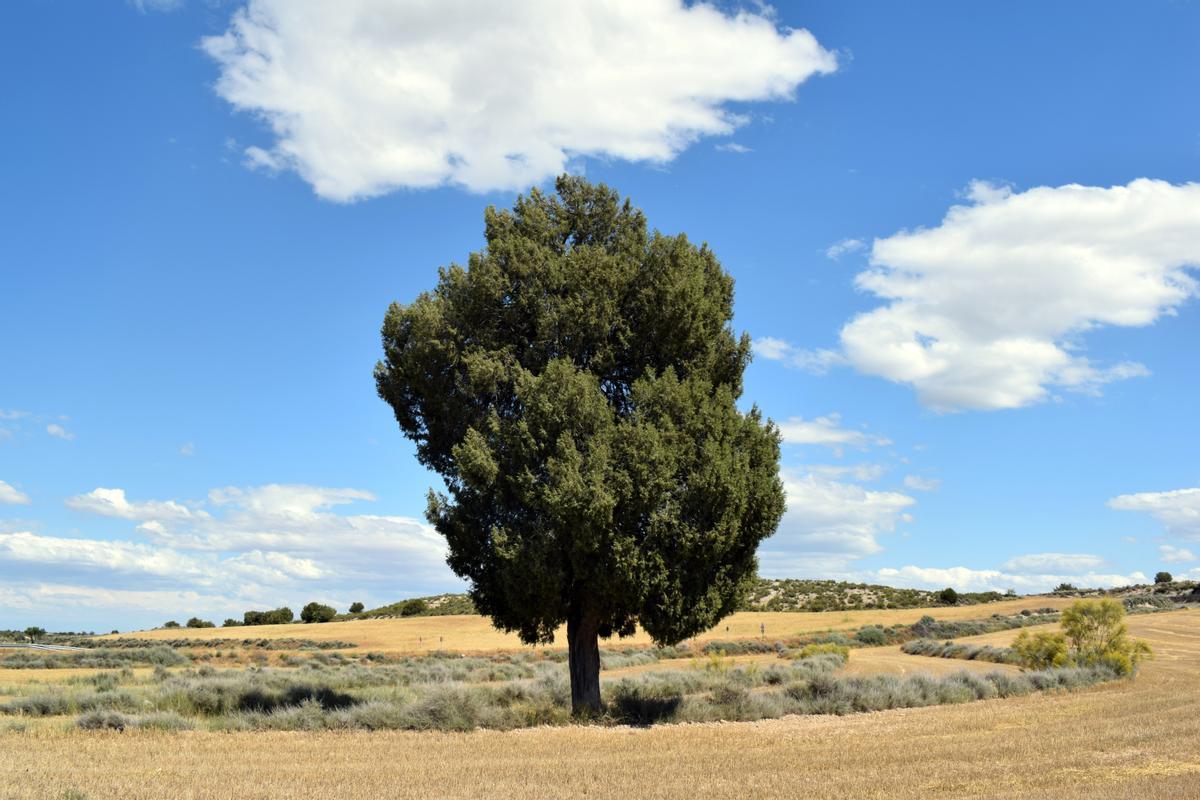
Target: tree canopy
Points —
{"points": [[576, 386]]}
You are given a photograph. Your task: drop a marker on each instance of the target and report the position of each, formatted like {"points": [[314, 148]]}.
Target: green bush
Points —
{"points": [[278, 616], [414, 607], [872, 635], [103, 720], [948, 596], [316, 612], [356, 608], [196, 622]]}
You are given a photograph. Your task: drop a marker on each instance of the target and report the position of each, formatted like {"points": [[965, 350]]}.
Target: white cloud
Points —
{"points": [[59, 432], [12, 496], [187, 450], [993, 580], [855, 472], [113, 503], [817, 362], [367, 96], [1054, 562], [985, 311], [1178, 510], [1171, 554], [732, 147], [839, 249], [922, 484], [146, 6], [827, 431], [247, 546], [828, 524]]}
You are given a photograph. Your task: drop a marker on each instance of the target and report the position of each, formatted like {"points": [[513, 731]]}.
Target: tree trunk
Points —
{"points": [[583, 658]]}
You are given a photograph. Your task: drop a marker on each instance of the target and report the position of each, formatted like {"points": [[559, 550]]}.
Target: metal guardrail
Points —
{"points": [[28, 646]]}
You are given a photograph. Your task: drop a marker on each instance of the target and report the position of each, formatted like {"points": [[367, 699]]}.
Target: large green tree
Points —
{"points": [[576, 386]]}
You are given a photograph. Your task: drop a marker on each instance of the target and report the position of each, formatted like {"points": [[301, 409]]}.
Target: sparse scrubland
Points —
{"points": [[1121, 738]]}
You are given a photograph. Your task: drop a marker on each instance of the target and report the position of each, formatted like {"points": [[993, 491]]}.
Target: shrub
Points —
{"points": [[1065, 587], [1041, 650], [103, 720], [164, 721], [316, 612], [231, 623], [826, 648], [279, 616], [948, 596], [171, 624], [196, 622], [1163, 577], [1098, 635], [414, 607], [872, 635], [356, 608]]}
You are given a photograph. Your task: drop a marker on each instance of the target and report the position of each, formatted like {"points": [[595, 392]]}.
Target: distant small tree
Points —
{"points": [[1010, 592], [948, 596], [414, 607], [356, 608], [279, 616], [34, 633], [196, 622], [231, 623], [316, 612], [171, 624], [1065, 587], [1163, 577]]}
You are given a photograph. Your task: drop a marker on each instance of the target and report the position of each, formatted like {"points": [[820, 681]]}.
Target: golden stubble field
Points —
{"points": [[474, 634], [1133, 739]]}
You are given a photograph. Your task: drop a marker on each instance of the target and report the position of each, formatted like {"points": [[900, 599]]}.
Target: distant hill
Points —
{"points": [[789, 594], [767, 594]]}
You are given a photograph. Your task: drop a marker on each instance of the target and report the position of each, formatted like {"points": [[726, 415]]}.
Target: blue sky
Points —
{"points": [[965, 238]]}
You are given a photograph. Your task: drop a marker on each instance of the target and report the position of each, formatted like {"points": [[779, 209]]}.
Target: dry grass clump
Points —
{"points": [[964, 650]]}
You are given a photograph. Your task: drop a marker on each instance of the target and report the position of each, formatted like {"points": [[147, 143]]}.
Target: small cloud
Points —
{"points": [[732, 147], [1130, 539], [828, 431], [1053, 562], [921, 484], [12, 496], [147, 6], [188, 449], [839, 249], [59, 432], [818, 362], [1172, 554]]}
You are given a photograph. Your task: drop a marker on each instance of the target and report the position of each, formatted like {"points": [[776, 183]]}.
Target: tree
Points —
{"points": [[34, 633], [170, 624], [1163, 577], [1097, 634], [576, 386], [1065, 587], [356, 608], [315, 612], [279, 616], [196, 622], [948, 596], [413, 607]]}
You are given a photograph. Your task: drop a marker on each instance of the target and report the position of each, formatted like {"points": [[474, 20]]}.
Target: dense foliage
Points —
{"points": [[576, 386]]}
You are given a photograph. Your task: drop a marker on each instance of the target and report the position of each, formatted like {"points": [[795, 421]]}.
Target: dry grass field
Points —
{"points": [[1129, 739], [474, 634]]}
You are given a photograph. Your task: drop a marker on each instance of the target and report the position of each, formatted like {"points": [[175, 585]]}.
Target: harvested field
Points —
{"points": [[474, 634], [1129, 739]]}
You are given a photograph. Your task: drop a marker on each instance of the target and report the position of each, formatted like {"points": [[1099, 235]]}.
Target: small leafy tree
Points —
{"points": [[1097, 634], [1163, 577], [948, 596], [171, 624], [356, 608], [577, 386], [34, 633], [1065, 587], [231, 623], [196, 622], [316, 612]]}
